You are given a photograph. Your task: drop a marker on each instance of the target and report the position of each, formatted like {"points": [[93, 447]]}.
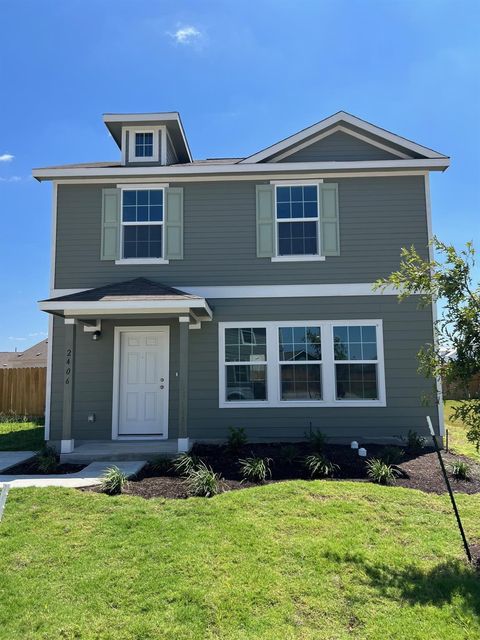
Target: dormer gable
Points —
{"points": [[342, 137], [149, 139]]}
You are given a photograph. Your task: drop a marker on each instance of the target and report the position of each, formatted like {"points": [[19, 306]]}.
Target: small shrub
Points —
{"points": [[161, 465], [460, 470], [415, 443], [203, 481], [237, 438], [47, 459], [391, 455], [255, 469], [318, 466], [289, 454], [113, 481], [185, 463], [317, 441], [380, 472]]}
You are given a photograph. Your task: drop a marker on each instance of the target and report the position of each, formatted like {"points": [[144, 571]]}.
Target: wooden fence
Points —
{"points": [[22, 391]]}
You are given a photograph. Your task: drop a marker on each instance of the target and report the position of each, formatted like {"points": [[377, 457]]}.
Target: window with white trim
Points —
{"points": [[297, 220], [246, 364], [301, 363], [300, 357], [356, 362], [144, 144], [142, 223]]}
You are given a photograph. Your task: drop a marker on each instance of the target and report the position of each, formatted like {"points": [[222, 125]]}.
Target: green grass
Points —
{"points": [[21, 436], [457, 438], [295, 560]]}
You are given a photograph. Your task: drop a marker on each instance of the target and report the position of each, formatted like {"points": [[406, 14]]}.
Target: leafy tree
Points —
{"points": [[449, 279]]}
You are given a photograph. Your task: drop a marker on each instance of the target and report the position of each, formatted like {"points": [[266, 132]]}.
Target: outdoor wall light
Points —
{"points": [[362, 452], [354, 444], [96, 335]]}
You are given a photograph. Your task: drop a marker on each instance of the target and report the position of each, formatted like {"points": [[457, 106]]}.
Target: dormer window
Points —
{"points": [[144, 144]]}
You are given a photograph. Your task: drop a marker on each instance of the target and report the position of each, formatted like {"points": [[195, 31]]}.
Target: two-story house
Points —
{"points": [[190, 296]]}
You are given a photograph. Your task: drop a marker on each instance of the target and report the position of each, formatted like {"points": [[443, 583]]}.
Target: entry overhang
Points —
{"points": [[139, 297]]}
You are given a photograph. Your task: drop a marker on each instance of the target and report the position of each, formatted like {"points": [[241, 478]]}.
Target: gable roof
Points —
{"points": [[140, 289], [292, 142]]}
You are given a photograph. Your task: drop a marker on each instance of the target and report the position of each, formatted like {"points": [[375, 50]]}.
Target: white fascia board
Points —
{"points": [[130, 306], [341, 116], [438, 164], [140, 117]]}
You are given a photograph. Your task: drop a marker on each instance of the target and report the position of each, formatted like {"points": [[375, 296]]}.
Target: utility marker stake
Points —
{"points": [[3, 498], [450, 492]]}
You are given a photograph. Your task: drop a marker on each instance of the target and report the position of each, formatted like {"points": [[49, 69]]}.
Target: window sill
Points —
{"points": [[142, 261], [295, 404], [298, 259]]}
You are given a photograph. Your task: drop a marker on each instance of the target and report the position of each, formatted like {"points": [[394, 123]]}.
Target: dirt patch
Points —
{"points": [[31, 467], [286, 463]]}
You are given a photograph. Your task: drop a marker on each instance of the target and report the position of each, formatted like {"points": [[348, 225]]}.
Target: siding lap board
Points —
{"points": [[378, 216]]}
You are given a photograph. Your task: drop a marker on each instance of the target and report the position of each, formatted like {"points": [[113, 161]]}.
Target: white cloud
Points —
{"points": [[16, 339], [38, 334], [13, 179], [6, 157], [187, 35]]}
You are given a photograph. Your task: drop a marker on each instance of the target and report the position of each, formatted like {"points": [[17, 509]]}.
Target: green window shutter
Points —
{"points": [[110, 224], [329, 219], [173, 223], [265, 221]]}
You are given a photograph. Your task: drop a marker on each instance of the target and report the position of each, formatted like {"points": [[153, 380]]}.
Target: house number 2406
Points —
{"points": [[68, 365]]}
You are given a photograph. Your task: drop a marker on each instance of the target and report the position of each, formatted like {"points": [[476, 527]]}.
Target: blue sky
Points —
{"points": [[243, 75]]}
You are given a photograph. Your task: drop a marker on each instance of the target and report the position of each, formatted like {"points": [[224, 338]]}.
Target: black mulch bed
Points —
{"points": [[31, 467], [420, 471]]}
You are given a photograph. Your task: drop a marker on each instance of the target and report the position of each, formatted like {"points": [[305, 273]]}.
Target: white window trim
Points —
{"points": [[328, 365], [133, 261], [311, 257], [159, 155]]}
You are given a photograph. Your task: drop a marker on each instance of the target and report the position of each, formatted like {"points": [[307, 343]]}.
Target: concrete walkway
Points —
{"points": [[12, 458], [88, 477]]}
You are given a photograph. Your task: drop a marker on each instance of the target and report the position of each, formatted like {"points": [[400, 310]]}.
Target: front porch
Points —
{"points": [[124, 351], [92, 450]]}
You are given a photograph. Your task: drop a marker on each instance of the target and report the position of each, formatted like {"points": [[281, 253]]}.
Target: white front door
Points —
{"points": [[143, 383]]}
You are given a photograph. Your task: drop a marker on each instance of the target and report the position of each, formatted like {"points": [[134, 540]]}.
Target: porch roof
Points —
{"points": [[139, 296]]}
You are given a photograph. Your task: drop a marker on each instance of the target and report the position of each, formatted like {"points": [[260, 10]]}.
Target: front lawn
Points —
{"points": [[21, 436], [292, 560], [458, 442]]}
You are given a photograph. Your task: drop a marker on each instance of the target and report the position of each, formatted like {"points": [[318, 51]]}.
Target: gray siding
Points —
{"points": [[378, 216], [94, 380], [405, 329], [339, 146]]}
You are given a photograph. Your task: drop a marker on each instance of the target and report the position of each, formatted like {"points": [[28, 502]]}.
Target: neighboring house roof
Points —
{"points": [[35, 356]]}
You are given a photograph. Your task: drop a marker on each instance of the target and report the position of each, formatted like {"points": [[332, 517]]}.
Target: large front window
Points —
{"points": [[301, 363], [246, 364], [300, 355], [142, 223], [297, 220], [355, 350]]}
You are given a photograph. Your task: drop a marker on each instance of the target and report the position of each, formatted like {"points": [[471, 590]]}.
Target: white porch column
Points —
{"points": [[67, 442], [183, 440]]}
